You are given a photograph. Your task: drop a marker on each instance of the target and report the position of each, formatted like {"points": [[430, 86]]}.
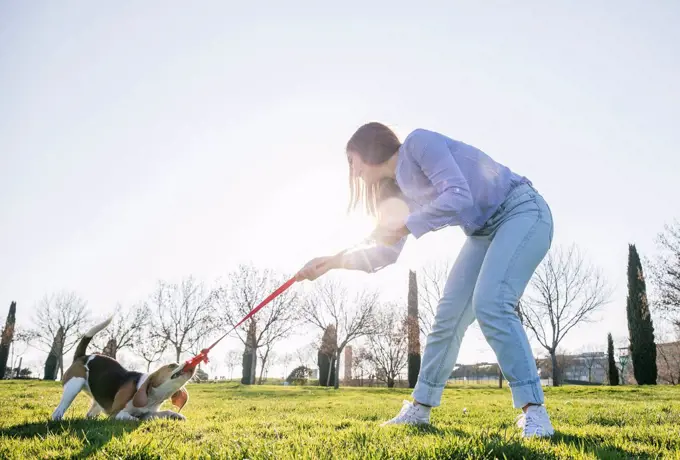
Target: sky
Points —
{"points": [[149, 141]]}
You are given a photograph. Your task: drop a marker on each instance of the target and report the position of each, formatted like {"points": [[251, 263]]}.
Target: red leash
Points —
{"points": [[203, 355]]}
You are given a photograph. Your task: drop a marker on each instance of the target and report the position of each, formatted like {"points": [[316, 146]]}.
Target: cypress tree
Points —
{"points": [[53, 358], [413, 330], [640, 327], [613, 370], [7, 337], [250, 356], [326, 357]]}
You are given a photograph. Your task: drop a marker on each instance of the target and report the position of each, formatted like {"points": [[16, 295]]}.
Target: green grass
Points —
{"points": [[230, 421]]}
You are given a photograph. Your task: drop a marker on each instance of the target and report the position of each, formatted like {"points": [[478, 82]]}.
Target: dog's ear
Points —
{"points": [[141, 397], [179, 398]]}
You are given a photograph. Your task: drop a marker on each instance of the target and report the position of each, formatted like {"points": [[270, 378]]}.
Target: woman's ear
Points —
{"points": [[179, 398]]}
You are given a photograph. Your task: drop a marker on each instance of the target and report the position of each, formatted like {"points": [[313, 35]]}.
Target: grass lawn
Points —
{"points": [[231, 421]]}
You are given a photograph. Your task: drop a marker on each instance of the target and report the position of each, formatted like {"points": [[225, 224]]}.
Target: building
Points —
{"points": [[667, 364], [589, 368]]}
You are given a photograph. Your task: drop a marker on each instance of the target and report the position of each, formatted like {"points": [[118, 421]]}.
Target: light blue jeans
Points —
{"points": [[486, 282]]}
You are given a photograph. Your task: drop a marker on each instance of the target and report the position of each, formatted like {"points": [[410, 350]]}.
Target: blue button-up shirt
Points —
{"points": [[445, 183]]}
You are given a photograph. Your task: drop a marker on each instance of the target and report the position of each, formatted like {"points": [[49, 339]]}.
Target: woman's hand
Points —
{"points": [[389, 235], [316, 267]]}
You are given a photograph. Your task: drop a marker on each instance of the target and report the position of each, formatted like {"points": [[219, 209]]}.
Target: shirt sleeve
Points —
{"points": [[430, 151], [373, 258]]}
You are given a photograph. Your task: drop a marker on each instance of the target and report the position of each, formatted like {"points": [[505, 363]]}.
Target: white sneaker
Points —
{"points": [[411, 414], [535, 423]]}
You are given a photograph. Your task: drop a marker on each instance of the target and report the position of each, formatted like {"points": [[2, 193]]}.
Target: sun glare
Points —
{"points": [[306, 217]]}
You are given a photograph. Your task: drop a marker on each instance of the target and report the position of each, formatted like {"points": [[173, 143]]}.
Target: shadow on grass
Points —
{"points": [[96, 433], [508, 444], [597, 447]]}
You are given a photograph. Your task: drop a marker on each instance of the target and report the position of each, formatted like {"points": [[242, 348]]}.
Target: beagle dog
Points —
{"points": [[119, 393]]}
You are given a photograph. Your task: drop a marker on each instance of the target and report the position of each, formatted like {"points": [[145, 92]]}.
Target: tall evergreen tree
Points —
{"points": [[52, 361], [640, 327], [7, 337], [613, 370], [326, 357], [250, 356], [413, 330]]}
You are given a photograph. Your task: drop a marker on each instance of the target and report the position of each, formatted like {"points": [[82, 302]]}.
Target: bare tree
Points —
{"points": [[62, 310], [593, 358], [150, 347], [668, 355], [306, 353], [564, 362], [286, 361], [270, 357], [125, 330], [669, 362], [330, 304], [183, 314], [20, 345], [431, 281], [232, 359], [361, 366], [247, 288], [665, 274], [564, 292], [388, 347]]}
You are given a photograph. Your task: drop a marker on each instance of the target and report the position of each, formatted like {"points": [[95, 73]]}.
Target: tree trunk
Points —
{"points": [[264, 361], [390, 382], [337, 370], [500, 377], [330, 371], [250, 356], [555, 369], [148, 366], [178, 352], [413, 330]]}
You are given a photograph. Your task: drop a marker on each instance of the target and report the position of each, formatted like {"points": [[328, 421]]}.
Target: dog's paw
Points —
{"points": [[125, 416], [178, 416], [172, 415], [57, 415]]}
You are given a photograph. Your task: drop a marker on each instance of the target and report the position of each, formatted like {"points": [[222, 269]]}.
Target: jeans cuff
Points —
{"points": [[427, 393], [526, 392]]}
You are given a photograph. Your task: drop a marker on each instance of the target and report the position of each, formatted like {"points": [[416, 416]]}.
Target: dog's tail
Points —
{"points": [[87, 338]]}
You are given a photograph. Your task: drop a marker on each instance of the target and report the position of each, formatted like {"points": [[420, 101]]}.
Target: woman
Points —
{"points": [[509, 230]]}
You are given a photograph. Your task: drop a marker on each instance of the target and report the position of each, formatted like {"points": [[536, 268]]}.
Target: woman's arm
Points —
{"points": [[372, 259]]}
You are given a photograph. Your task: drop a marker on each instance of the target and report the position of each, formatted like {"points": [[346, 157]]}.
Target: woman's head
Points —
{"points": [[370, 153]]}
